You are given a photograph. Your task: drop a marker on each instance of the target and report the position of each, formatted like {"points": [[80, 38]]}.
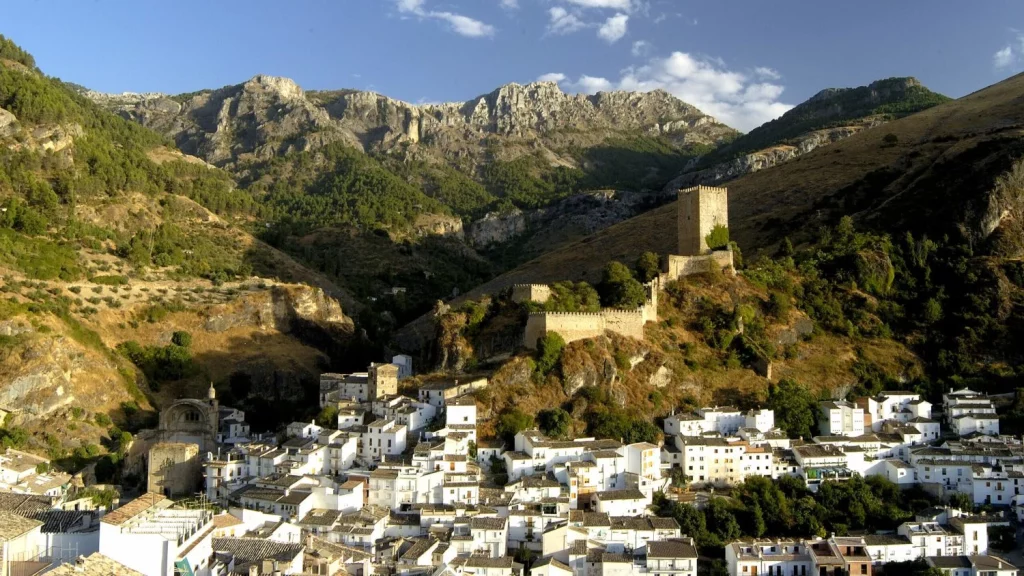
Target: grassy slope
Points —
{"points": [[816, 189]]}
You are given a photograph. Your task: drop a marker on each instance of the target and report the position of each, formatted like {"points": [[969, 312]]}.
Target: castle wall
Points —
{"points": [[531, 292], [625, 322], [572, 326], [700, 209], [680, 266]]}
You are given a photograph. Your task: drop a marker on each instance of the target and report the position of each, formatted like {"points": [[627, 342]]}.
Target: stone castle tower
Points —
{"points": [[701, 208], [383, 380]]}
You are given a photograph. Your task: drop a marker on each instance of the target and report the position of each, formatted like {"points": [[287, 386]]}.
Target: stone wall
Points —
{"points": [[174, 469], [531, 292], [680, 266], [700, 209], [573, 326]]}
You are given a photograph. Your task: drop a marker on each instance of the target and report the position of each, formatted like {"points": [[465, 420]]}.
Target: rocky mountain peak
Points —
{"points": [[268, 116], [285, 88]]}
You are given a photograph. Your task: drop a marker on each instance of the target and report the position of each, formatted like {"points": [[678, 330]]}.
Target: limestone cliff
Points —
{"points": [[269, 116], [768, 157]]}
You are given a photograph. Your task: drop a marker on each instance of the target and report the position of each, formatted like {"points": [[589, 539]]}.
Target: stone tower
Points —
{"points": [[383, 380], [701, 208]]}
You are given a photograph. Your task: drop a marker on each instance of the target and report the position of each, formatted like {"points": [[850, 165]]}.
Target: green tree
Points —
{"points": [[549, 351], [554, 422], [328, 417], [718, 238], [961, 501], [795, 408], [778, 305], [182, 338], [648, 267], [619, 289], [511, 423]]}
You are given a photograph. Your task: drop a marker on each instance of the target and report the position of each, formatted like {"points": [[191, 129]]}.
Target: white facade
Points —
{"points": [[841, 418], [382, 438], [150, 536]]}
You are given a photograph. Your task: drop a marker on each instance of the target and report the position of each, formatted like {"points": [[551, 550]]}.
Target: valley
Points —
{"points": [[329, 331]]}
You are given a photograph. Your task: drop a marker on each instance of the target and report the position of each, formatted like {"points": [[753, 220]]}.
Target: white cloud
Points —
{"points": [[552, 77], [767, 73], [614, 28], [626, 5], [591, 85], [641, 48], [465, 25], [510, 4], [460, 24], [734, 98], [563, 21], [1003, 58]]}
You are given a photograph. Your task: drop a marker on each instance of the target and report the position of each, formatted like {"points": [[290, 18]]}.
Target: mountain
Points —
{"points": [[382, 195], [827, 117], [913, 232], [267, 117], [125, 282], [933, 172]]}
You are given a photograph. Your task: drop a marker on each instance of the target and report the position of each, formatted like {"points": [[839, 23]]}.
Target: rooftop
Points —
{"points": [[95, 564], [12, 525]]}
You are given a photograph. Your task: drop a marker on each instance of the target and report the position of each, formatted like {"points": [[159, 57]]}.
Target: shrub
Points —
{"points": [[511, 423], [619, 289], [647, 267], [109, 280], [182, 338], [718, 238], [554, 422], [778, 305], [549, 351]]}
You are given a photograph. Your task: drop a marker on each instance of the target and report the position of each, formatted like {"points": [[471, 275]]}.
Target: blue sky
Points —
{"points": [[742, 61]]}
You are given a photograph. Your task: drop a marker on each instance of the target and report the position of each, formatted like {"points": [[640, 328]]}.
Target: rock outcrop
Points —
{"points": [[831, 115], [749, 163], [268, 116]]}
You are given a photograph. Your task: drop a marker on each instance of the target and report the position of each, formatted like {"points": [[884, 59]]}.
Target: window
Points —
{"points": [[863, 568]]}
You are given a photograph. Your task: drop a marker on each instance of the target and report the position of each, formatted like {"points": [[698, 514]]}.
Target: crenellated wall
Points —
{"points": [[573, 326], [531, 293]]}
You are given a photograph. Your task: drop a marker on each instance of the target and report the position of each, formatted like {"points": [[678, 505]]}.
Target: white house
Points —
{"points": [[382, 438], [404, 363], [149, 535], [841, 418], [629, 502]]}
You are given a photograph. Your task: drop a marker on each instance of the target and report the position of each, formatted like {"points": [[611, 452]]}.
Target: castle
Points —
{"points": [[700, 210]]}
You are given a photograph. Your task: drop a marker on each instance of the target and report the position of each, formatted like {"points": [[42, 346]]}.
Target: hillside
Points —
{"points": [[930, 244], [379, 194], [699, 353], [827, 117], [124, 283]]}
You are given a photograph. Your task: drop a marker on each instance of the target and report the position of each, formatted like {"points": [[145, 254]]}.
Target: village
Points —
{"points": [[400, 483]]}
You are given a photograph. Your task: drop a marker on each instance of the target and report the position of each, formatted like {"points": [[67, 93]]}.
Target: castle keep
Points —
{"points": [[700, 209]]}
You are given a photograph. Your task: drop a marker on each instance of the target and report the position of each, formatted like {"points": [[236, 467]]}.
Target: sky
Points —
{"points": [[744, 62]]}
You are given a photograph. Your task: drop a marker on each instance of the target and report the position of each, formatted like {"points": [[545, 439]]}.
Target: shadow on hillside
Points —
{"points": [[632, 168]]}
